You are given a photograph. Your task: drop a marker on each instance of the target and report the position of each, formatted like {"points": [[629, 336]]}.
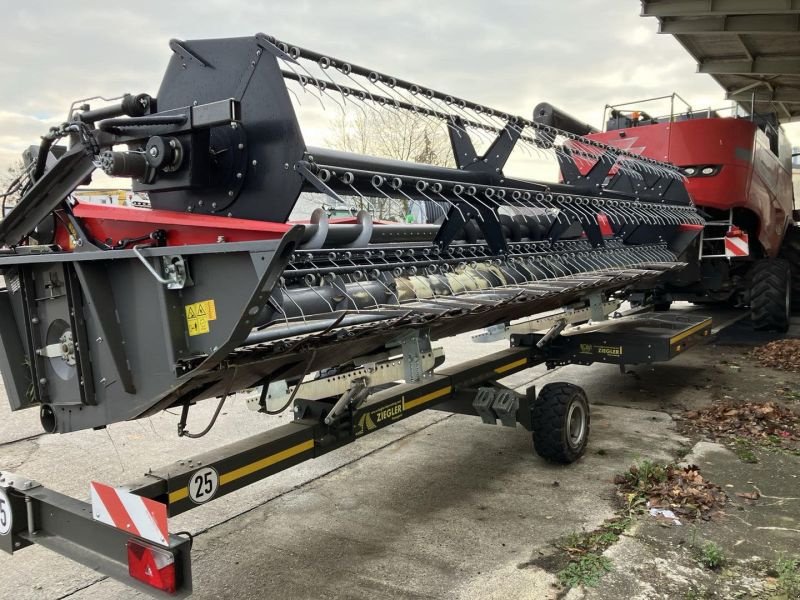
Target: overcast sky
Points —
{"points": [[512, 54]]}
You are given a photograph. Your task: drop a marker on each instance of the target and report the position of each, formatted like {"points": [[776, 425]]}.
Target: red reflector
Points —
{"points": [[734, 231], [152, 565]]}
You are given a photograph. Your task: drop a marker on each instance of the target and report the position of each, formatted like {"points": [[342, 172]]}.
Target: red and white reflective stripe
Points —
{"points": [[138, 516], [737, 245]]}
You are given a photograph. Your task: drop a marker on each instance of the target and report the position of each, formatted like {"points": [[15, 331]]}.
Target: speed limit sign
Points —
{"points": [[5, 513], [203, 485]]}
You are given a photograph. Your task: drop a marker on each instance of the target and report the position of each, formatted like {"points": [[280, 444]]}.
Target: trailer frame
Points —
{"points": [[33, 514]]}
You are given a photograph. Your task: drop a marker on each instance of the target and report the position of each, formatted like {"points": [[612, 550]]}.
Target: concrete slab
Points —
{"points": [[655, 562], [455, 510], [434, 506]]}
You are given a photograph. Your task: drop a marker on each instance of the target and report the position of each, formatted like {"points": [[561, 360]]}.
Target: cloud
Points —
{"points": [[513, 54]]}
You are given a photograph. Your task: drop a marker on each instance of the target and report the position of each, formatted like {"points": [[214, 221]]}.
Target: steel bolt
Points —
{"points": [[230, 193], [153, 151], [255, 162], [238, 176]]}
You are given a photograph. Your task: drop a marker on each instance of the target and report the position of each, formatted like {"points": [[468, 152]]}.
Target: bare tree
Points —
{"points": [[397, 134], [9, 184]]}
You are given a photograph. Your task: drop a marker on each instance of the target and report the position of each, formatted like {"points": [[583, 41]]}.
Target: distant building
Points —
{"points": [[111, 196]]}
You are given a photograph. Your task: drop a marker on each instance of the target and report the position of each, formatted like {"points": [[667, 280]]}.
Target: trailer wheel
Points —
{"points": [[560, 420], [771, 295]]}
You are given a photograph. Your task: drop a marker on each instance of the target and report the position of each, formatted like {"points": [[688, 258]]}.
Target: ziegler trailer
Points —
{"points": [[739, 174], [113, 313]]}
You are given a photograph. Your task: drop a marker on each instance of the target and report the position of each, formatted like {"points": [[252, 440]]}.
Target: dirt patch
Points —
{"points": [[683, 490], [763, 424], [783, 355]]}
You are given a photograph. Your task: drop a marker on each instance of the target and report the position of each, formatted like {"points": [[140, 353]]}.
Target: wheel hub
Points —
{"points": [[576, 424]]}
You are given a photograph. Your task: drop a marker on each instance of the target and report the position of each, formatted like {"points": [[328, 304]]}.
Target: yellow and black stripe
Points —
{"points": [[253, 468]]}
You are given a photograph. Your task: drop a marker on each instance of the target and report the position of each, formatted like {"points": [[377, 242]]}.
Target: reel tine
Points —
{"points": [[302, 80]]}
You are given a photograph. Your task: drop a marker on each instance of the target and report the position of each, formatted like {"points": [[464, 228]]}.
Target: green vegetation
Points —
{"points": [[774, 443], [788, 571], [586, 570], [682, 451], [638, 481], [743, 448], [585, 549], [712, 556], [696, 593]]}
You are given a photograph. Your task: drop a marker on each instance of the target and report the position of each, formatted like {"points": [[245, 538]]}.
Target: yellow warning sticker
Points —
{"points": [[198, 315]]}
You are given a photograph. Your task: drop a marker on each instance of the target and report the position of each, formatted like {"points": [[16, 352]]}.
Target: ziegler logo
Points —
{"points": [[391, 411], [607, 350], [370, 421]]}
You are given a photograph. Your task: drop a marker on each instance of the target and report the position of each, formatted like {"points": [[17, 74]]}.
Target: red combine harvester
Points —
{"points": [[738, 172]]}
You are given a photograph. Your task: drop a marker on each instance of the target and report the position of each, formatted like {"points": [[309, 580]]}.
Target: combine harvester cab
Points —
{"points": [[113, 313], [738, 172]]}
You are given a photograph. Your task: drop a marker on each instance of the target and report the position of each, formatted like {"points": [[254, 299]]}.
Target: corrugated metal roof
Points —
{"points": [[750, 47]]}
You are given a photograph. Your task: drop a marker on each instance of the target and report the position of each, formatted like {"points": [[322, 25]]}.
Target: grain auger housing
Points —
{"points": [[112, 313]]}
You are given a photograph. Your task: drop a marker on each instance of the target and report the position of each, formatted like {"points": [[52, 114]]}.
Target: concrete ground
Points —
{"points": [[438, 505]]}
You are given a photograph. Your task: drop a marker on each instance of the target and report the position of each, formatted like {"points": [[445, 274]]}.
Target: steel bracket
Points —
{"points": [[414, 344], [493, 403]]}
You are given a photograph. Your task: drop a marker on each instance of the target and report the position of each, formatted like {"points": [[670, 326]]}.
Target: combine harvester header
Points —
{"points": [[100, 305]]}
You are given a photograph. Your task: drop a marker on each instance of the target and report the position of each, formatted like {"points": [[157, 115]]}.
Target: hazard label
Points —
{"points": [[198, 316]]}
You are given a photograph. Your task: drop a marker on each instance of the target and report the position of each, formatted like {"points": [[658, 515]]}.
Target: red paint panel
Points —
{"points": [[750, 177], [104, 222]]}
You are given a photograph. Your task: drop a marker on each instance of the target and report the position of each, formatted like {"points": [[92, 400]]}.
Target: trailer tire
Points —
{"points": [[771, 295], [560, 423], [790, 251]]}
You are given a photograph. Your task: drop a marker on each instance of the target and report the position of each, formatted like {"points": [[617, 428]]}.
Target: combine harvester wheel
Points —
{"points": [[771, 295]]}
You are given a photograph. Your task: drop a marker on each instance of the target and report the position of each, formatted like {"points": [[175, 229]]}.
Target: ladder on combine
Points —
{"points": [[722, 239]]}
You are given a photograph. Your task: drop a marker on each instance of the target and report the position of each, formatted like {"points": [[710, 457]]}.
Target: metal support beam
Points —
{"points": [[781, 94], [686, 8], [733, 24], [570, 315], [760, 65]]}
